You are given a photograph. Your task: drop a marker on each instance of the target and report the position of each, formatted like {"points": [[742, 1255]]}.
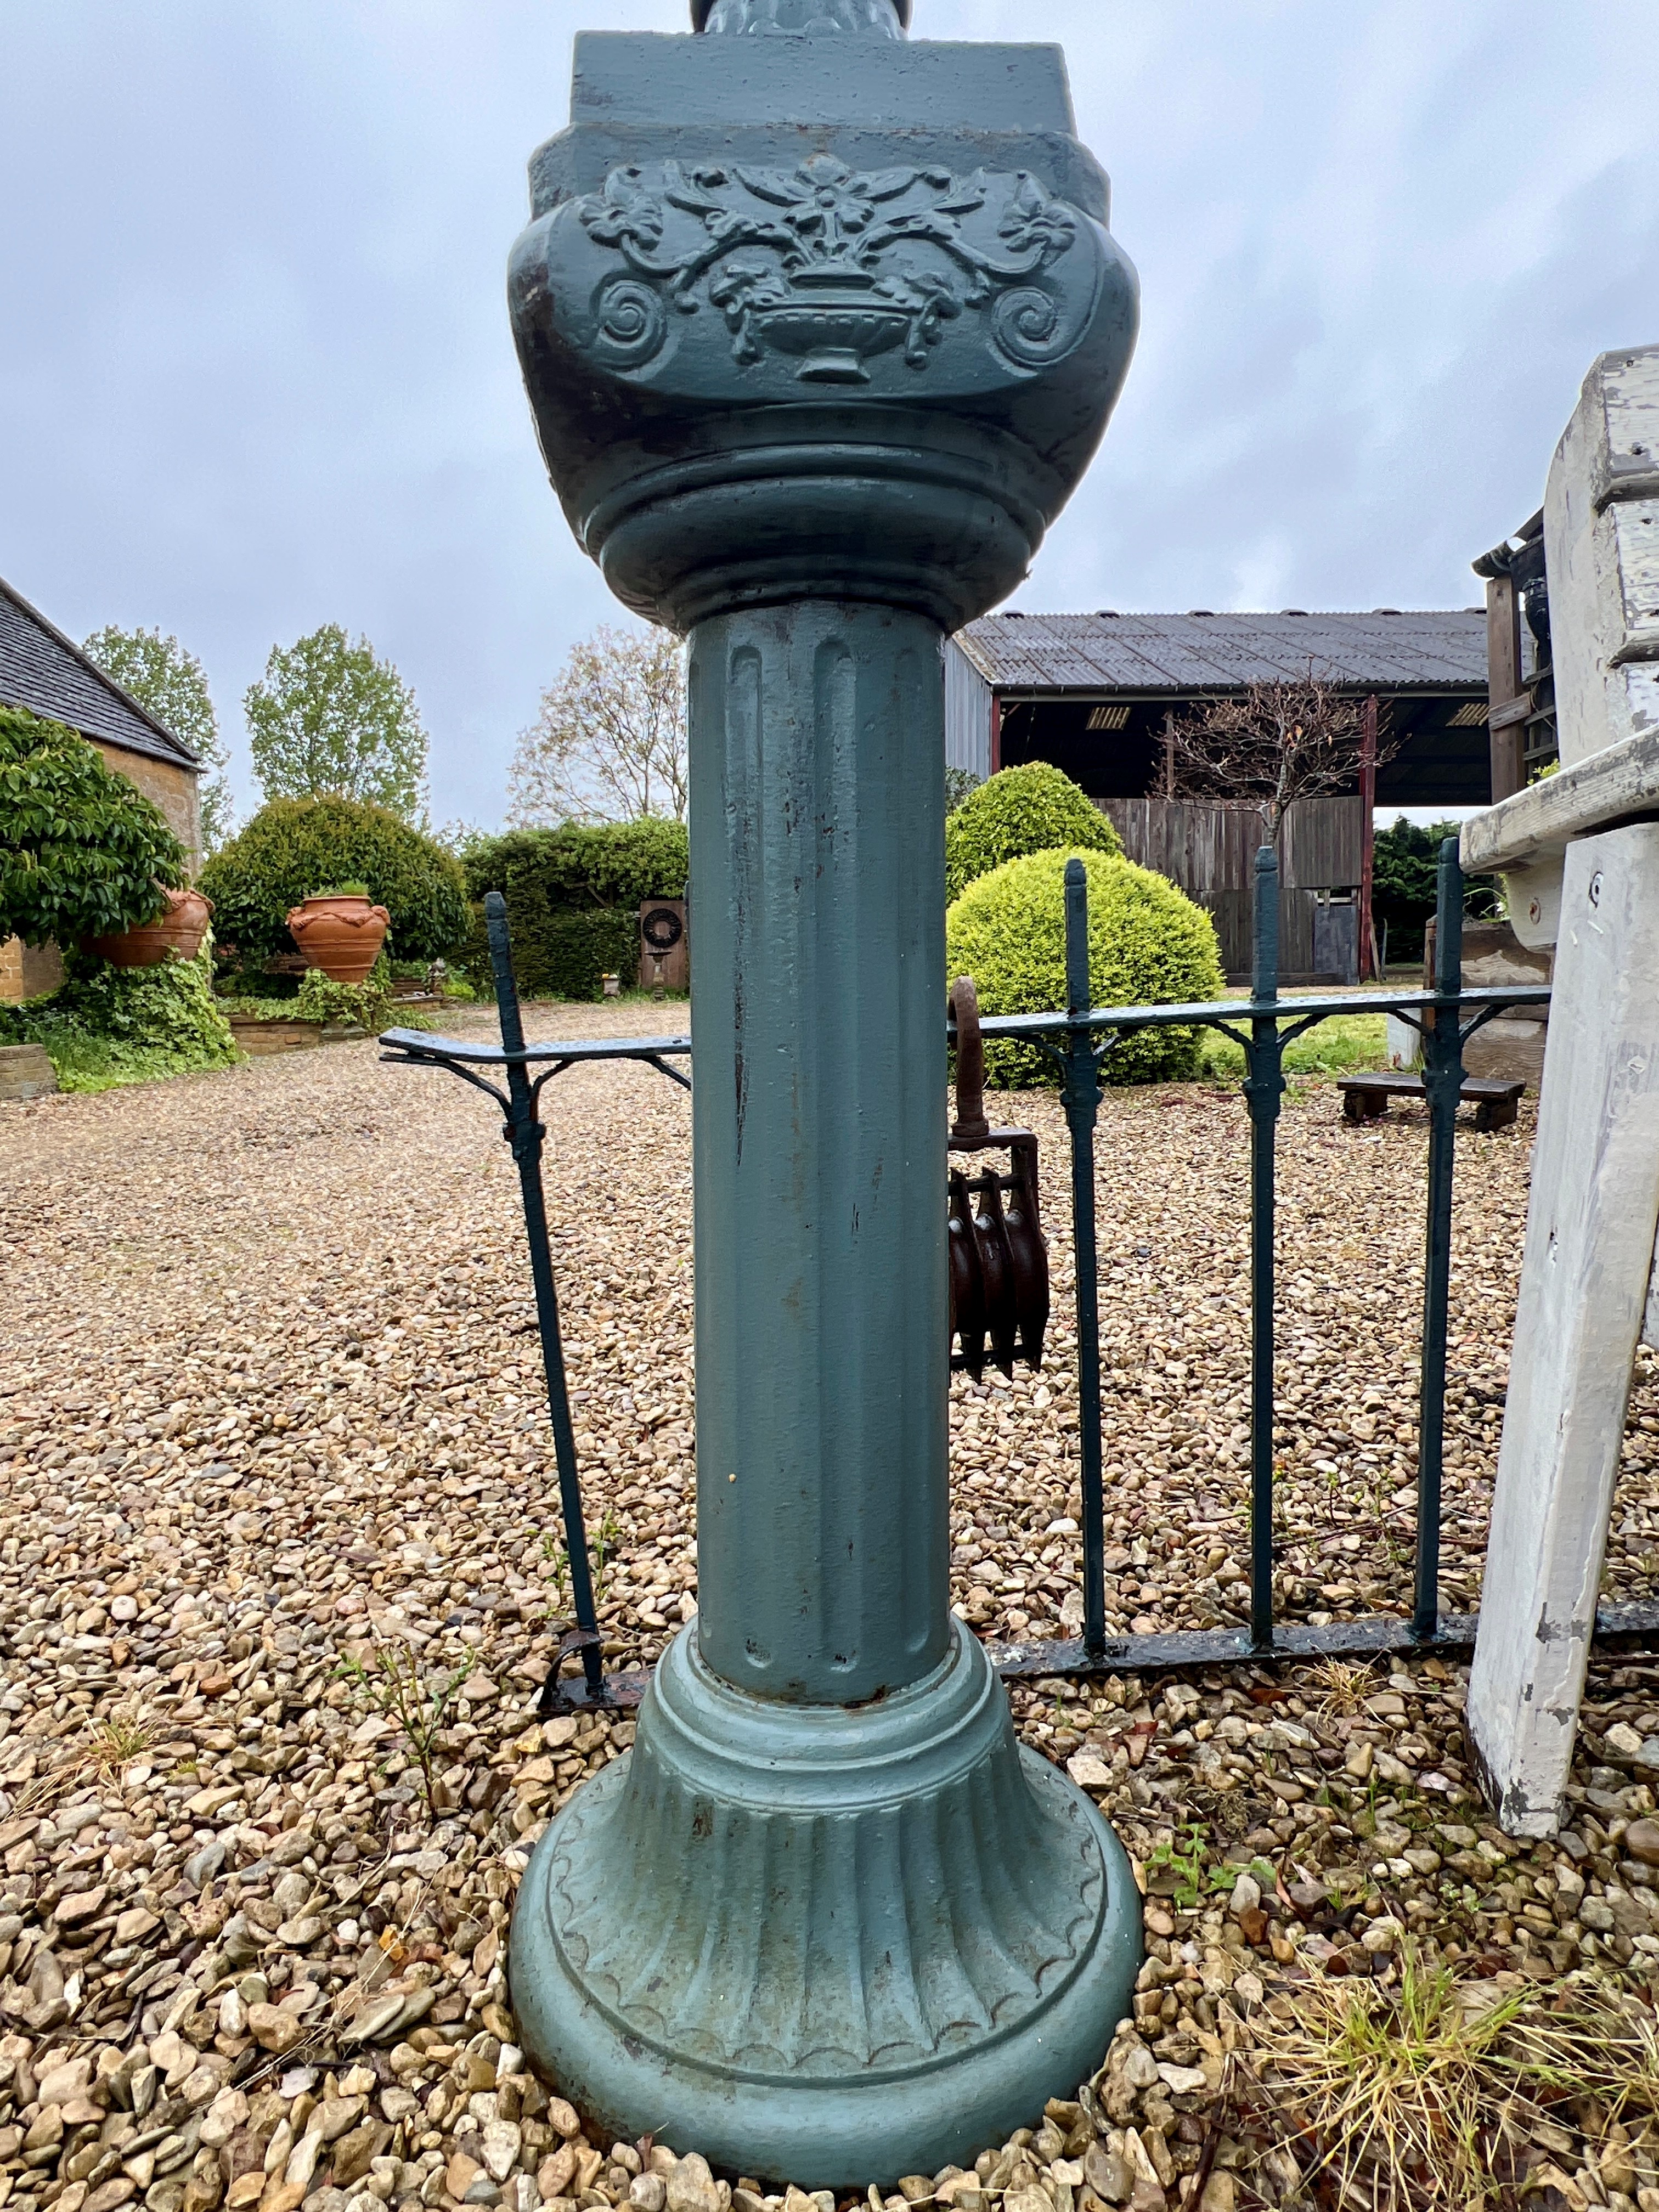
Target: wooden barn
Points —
{"points": [[1096, 695]]}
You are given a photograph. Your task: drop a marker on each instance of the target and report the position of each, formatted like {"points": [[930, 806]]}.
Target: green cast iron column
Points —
{"points": [[820, 329], [818, 775]]}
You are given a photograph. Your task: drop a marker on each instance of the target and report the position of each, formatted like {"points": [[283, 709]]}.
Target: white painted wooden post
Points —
{"points": [[1575, 880]]}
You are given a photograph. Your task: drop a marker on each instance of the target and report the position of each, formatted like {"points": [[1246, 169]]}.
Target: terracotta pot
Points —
{"points": [[179, 927], [341, 936]]}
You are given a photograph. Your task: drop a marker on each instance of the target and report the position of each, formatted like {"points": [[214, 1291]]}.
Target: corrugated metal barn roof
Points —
{"points": [[42, 669], [1384, 651]]}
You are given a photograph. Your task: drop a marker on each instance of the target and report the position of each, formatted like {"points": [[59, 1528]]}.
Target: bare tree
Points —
{"points": [[608, 743], [1270, 748]]}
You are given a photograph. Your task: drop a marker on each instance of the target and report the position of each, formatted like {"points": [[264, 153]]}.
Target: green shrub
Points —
{"points": [[82, 852], [293, 845], [107, 1025], [573, 897], [1148, 945], [1034, 809], [322, 1000]]}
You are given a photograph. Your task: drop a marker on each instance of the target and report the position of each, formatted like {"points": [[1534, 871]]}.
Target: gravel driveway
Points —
{"points": [[272, 1435]]}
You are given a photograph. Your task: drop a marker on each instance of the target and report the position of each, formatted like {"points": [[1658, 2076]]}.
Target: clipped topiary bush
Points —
{"points": [[1148, 945], [573, 897], [82, 852], [294, 847], [1034, 809]]}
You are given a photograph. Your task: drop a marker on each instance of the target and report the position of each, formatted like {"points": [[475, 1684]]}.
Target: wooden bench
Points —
{"points": [[1364, 1098]]}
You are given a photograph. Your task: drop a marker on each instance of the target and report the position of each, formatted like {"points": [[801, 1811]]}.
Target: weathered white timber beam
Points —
{"points": [[1590, 1225], [1602, 556]]}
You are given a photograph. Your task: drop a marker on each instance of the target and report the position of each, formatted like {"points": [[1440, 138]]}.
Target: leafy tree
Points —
{"points": [[609, 741], [1406, 885], [82, 852], [328, 721], [166, 678], [1267, 749]]}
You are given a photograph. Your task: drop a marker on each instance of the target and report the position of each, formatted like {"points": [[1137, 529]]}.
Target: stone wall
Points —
{"points": [[169, 786]]}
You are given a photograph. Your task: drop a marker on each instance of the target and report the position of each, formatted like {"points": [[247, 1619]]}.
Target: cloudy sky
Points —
{"points": [[255, 370]]}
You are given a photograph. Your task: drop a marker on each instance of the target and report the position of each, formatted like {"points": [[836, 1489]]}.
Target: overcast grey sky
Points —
{"points": [[256, 375]]}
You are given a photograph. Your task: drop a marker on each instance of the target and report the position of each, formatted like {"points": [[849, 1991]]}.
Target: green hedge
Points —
{"points": [[107, 1025], [1148, 945], [82, 852], [293, 846], [1034, 809], [573, 897]]}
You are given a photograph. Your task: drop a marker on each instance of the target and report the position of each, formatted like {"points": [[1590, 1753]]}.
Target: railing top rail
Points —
{"points": [[1290, 1006], [421, 1044]]}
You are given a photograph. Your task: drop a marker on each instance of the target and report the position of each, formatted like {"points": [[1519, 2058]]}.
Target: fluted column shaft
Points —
{"points": [[818, 977]]}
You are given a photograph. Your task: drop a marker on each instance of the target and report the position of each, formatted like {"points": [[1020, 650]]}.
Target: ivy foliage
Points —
{"points": [[1149, 944], [1033, 809], [107, 1025], [573, 898], [82, 852], [294, 848]]}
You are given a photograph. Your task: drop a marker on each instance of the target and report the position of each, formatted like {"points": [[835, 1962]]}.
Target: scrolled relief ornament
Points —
{"points": [[826, 269]]}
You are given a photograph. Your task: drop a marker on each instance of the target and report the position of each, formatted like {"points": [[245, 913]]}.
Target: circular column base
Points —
{"points": [[823, 1944]]}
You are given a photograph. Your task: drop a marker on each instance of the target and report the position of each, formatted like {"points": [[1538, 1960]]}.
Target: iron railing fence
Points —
{"points": [[1079, 1040]]}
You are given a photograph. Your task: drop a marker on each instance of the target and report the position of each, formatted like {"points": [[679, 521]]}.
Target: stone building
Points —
{"points": [[48, 673]]}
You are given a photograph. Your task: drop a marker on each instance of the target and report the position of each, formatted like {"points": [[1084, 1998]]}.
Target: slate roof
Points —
{"points": [[48, 673], [1431, 650]]}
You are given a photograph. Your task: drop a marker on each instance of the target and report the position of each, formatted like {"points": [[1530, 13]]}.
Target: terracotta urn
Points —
{"points": [[179, 927], [341, 935]]}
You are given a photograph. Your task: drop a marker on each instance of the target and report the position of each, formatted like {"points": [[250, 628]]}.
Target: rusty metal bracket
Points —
{"points": [[999, 1258]]}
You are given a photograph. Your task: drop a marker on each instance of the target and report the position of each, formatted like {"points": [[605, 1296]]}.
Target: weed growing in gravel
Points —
{"points": [[392, 1686], [1416, 2096], [1188, 1860], [116, 1741], [557, 1555], [606, 1540]]}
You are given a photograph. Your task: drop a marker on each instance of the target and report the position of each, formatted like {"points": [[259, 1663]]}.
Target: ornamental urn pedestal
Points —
{"points": [[820, 328]]}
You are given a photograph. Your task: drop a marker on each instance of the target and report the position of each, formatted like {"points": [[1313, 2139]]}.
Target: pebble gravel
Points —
{"points": [[274, 1454]]}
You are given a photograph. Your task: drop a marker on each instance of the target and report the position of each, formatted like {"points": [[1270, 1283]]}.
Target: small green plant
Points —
{"points": [[554, 1550], [394, 1687], [118, 1739], [606, 1540], [1186, 1860], [340, 891]]}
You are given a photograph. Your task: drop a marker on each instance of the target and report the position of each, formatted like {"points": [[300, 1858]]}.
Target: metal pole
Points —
{"points": [[1082, 1102], [524, 1134], [1367, 839], [1443, 1083], [1264, 1087]]}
